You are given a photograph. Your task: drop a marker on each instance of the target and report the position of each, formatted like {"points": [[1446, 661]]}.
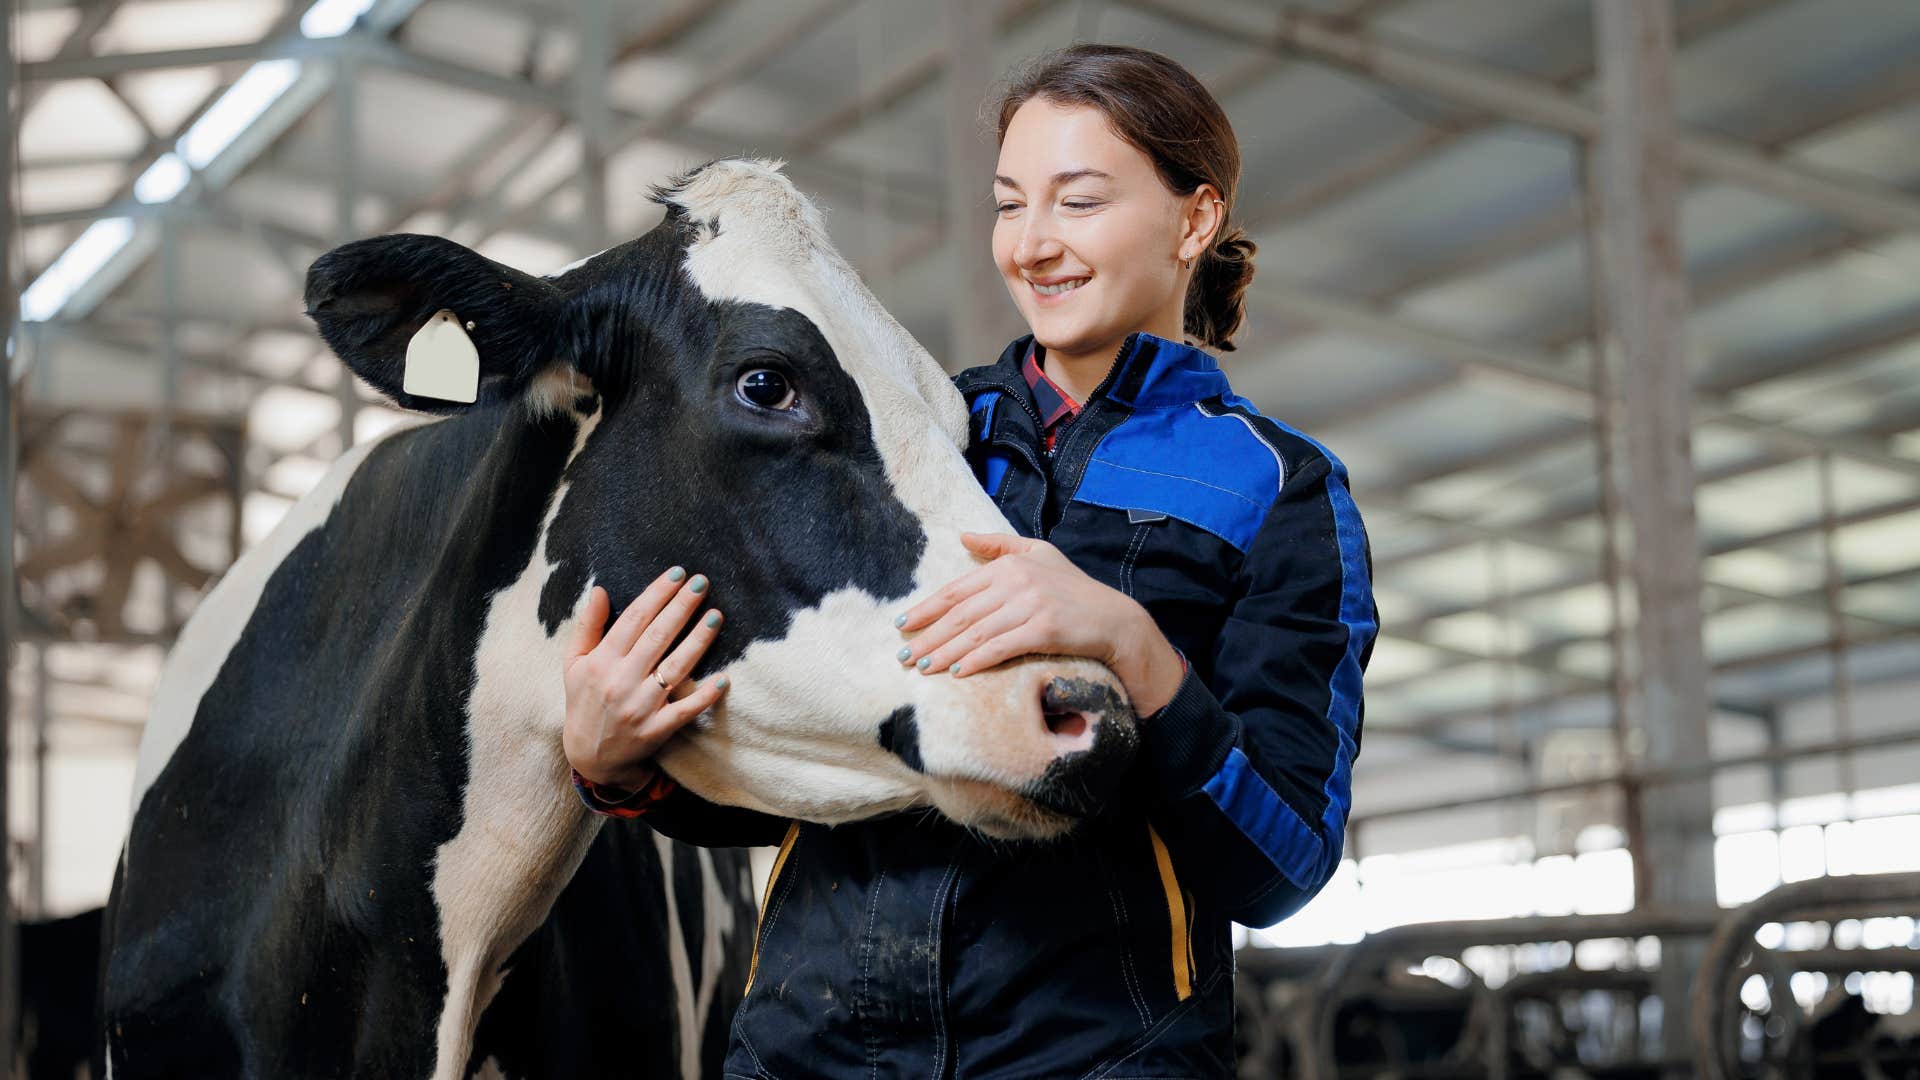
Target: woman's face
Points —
{"points": [[1087, 236]]}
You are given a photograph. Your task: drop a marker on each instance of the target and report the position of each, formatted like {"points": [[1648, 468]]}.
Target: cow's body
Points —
{"points": [[320, 938], [353, 830]]}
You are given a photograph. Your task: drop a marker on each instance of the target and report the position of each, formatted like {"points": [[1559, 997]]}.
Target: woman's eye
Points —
{"points": [[1005, 207], [1080, 205], [765, 388]]}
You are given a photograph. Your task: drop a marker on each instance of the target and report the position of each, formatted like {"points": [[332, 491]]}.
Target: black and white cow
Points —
{"points": [[354, 849]]}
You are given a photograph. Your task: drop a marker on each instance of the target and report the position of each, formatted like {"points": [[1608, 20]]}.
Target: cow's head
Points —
{"points": [[748, 409]]}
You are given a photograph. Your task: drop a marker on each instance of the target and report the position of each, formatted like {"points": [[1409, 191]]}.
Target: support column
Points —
{"points": [[346, 132], [592, 112], [10, 344], [1627, 745], [36, 900], [1647, 294], [978, 310]]}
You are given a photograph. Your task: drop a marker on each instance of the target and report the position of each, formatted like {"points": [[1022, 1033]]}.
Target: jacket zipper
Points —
{"points": [[1020, 395], [1113, 373], [1020, 398]]}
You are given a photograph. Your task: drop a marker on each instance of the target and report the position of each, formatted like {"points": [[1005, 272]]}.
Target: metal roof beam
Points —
{"points": [[1699, 23], [1536, 376], [1537, 102], [1442, 720], [1547, 539]]}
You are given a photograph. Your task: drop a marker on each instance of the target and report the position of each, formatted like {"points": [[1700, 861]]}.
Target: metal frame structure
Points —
{"points": [[1632, 412], [1732, 954], [1326, 980]]}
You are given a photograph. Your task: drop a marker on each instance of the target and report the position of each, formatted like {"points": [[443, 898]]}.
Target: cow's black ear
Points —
{"points": [[371, 296]]}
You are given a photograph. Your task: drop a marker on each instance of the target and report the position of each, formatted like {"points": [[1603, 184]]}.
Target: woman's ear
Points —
{"points": [[370, 297], [1205, 215]]}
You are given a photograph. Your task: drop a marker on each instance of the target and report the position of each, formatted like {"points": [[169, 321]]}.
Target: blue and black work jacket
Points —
{"points": [[905, 946]]}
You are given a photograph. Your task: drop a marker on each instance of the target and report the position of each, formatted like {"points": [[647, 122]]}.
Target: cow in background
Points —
{"points": [[55, 1029]]}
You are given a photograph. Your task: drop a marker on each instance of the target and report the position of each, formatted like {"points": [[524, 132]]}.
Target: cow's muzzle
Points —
{"points": [[1100, 730]]}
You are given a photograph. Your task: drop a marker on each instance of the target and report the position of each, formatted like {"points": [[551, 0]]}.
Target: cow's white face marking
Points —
{"points": [[832, 680]]}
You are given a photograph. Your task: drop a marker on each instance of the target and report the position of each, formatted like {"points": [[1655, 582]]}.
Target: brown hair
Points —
{"points": [[1158, 107]]}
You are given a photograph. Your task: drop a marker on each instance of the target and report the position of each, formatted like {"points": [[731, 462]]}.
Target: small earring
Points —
{"points": [[1188, 262]]}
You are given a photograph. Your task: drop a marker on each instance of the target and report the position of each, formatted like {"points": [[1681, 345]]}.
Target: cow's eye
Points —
{"points": [[766, 388]]}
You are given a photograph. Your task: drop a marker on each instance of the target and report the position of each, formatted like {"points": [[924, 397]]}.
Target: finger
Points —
{"points": [[680, 662], [947, 656], [945, 597], [994, 545], [593, 622], [658, 635], [626, 629], [671, 718], [948, 626], [1022, 640]]}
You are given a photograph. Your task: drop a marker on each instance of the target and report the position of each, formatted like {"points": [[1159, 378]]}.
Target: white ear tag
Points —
{"points": [[442, 362]]}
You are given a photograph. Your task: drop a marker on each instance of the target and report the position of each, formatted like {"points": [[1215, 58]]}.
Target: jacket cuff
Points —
{"points": [[618, 802], [1188, 738]]}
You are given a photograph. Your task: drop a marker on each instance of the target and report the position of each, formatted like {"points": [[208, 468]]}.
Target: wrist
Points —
{"points": [[1152, 675], [617, 783]]}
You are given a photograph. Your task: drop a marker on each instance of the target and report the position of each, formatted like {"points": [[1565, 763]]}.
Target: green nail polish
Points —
{"points": [[698, 584], [676, 573], [955, 669], [721, 682], [904, 653], [925, 662], [713, 619], [899, 620]]}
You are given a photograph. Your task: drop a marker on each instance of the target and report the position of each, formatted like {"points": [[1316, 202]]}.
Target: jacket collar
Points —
{"points": [[1149, 373]]}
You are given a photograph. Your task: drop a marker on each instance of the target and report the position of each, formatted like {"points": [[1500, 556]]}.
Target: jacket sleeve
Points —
{"points": [[1254, 763], [673, 811]]}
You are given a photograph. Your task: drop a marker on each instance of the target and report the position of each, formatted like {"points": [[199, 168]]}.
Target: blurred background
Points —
{"points": [[1646, 702]]}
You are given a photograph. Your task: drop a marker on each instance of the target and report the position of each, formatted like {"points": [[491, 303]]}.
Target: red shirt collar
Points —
{"points": [[1057, 407]]}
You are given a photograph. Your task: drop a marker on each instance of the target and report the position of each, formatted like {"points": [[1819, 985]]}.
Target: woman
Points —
{"points": [[1211, 557]]}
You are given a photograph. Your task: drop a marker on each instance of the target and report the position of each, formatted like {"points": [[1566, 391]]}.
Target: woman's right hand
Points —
{"points": [[619, 713]]}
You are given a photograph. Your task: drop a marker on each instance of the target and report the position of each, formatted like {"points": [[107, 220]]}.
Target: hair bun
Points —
{"points": [[1216, 297]]}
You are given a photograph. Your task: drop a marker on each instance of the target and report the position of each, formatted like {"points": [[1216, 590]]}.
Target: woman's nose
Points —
{"points": [[1037, 243]]}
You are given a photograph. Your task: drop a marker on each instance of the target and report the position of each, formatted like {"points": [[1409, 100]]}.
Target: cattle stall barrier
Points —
{"points": [[1346, 978], [1291, 1000], [1732, 955]]}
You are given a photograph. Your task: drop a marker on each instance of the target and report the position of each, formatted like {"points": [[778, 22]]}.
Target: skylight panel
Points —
{"points": [[51, 291]]}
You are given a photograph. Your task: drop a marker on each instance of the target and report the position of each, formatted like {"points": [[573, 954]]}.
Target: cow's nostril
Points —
{"points": [[1070, 704], [1071, 723]]}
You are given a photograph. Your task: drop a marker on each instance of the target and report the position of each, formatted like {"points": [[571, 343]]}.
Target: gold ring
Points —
{"points": [[661, 681]]}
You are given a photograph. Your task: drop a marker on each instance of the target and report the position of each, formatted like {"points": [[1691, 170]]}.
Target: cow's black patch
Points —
{"points": [[900, 736], [777, 509], [273, 914]]}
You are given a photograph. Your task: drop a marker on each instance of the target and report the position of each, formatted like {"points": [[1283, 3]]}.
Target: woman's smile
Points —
{"points": [[1052, 291]]}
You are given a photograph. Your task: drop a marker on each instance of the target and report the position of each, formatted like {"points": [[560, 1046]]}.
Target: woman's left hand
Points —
{"points": [[1031, 599]]}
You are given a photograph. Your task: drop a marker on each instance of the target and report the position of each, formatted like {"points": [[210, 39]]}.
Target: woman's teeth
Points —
{"points": [[1055, 290]]}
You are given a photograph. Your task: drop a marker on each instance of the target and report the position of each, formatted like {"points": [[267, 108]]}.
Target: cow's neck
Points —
{"points": [[483, 698], [522, 832]]}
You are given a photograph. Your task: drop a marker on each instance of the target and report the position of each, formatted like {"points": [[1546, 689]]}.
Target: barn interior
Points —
{"points": [[1611, 308]]}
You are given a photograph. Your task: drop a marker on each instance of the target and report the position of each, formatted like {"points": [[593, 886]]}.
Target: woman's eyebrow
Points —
{"points": [[1071, 175], [1059, 178]]}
